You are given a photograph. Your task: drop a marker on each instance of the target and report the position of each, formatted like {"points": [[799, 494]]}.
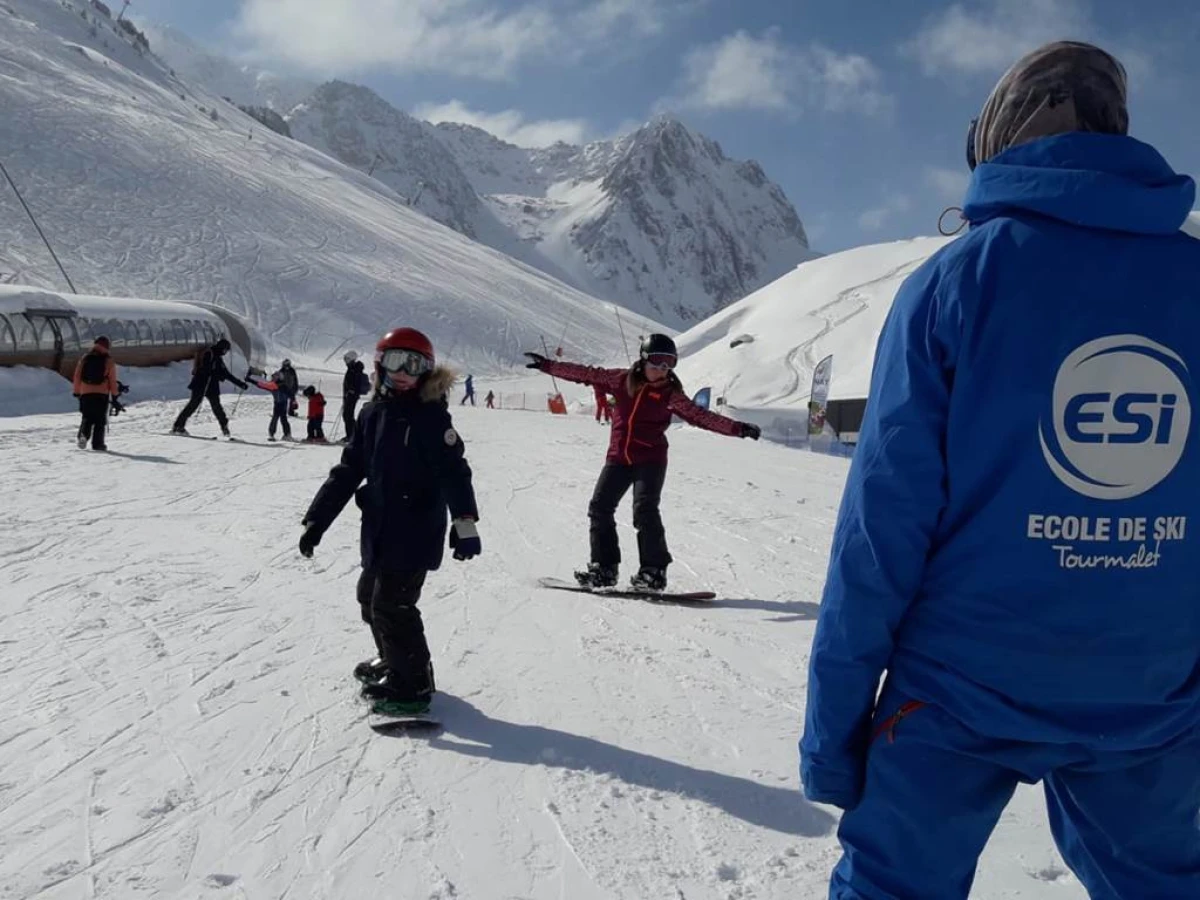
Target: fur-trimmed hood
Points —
{"points": [[437, 384]]}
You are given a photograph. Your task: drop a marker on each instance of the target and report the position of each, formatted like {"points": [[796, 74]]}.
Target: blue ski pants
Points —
{"points": [[1127, 823]]}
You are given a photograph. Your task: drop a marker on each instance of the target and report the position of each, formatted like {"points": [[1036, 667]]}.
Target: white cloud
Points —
{"points": [[508, 125], [874, 219], [950, 185], [742, 71], [988, 38], [467, 38]]}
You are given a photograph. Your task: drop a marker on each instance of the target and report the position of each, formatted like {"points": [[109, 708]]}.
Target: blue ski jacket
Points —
{"points": [[1016, 541]]}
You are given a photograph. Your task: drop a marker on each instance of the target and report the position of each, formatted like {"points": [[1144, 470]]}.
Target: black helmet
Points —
{"points": [[658, 344], [222, 346]]}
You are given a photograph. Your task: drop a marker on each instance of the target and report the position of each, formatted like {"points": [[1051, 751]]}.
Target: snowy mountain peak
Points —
{"points": [[358, 127], [658, 220]]}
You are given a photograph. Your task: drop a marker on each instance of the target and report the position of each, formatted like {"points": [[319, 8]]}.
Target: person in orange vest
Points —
{"points": [[316, 415], [95, 385]]}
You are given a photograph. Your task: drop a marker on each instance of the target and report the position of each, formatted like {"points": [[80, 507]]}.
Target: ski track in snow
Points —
{"points": [[179, 721]]}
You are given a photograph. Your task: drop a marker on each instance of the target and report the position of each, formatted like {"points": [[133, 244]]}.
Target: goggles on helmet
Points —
{"points": [[661, 361], [410, 362]]}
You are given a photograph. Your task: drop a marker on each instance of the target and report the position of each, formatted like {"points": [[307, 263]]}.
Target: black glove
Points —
{"points": [[538, 362], [464, 539], [750, 431], [309, 539]]}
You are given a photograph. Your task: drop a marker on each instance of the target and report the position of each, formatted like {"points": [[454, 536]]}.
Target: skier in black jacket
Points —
{"points": [[207, 376], [414, 465], [352, 390]]}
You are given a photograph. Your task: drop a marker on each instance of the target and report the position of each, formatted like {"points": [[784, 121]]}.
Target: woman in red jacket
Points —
{"points": [[647, 395]]}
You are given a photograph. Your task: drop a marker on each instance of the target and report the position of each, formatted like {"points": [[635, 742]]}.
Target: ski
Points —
{"points": [[194, 437], [682, 597]]}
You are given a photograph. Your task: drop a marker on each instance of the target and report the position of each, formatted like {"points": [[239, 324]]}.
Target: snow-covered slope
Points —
{"points": [[243, 84], [835, 304], [659, 220], [178, 719], [151, 188]]}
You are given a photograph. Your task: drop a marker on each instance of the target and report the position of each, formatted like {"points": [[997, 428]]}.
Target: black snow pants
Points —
{"points": [[348, 406], [316, 429], [647, 483], [214, 400], [389, 606], [94, 411]]}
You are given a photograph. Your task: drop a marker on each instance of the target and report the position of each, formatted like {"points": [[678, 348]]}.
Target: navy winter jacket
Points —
{"points": [[412, 467]]}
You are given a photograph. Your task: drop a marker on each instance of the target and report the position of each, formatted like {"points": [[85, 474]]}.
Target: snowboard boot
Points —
{"points": [[81, 442], [180, 430], [411, 690], [649, 578], [597, 576], [370, 670]]}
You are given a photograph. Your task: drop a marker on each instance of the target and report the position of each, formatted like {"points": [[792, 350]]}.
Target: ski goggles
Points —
{"points": [[410, 362], [661, 361]]}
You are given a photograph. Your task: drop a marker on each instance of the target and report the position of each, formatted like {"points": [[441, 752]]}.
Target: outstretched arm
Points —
{"points": [[709, 421], [610, 379]]}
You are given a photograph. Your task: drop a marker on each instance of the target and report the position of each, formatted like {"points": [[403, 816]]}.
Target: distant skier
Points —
{"points": [[491, 399], [470, 391], [414, 464], [355, 385], [208, 371], [96, 386], [1004, 556], [316, 415], [647, 395], [284, 384], [603, 410]]}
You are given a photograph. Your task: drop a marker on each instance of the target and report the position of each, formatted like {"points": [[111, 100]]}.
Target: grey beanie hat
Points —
{"points": [[1061, 87]]}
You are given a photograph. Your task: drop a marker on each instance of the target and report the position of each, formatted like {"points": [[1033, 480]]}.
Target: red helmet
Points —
{"points": [[405, 339]]}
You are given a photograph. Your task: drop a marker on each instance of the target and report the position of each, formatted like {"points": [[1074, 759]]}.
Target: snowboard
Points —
{"points": [[684, 597], [412, 722]]}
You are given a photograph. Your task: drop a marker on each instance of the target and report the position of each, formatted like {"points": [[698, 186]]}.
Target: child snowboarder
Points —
{"points": [[316, 415], [406, 449], [96, 386], [647, 395]]}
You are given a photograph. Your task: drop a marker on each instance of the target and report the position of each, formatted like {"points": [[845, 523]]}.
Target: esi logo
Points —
{"points": [[1121, 413]]}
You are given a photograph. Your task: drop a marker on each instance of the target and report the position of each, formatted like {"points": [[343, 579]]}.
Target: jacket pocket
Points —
{"points": [[887, 727]]}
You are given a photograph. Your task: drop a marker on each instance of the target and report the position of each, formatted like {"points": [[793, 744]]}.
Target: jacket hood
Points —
{"points": [[438, 384], [1105, 181]]}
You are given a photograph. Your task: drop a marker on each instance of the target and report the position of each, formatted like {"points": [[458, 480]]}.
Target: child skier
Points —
{"points": [[316, 415], [647, 395], [406, 449], [283, 385]]}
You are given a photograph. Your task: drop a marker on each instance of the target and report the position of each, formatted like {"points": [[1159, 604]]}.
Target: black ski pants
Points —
{"points": [[349, 404], [93, 409], [388, 601], [316, 428], [214, 400], [647, 483]]}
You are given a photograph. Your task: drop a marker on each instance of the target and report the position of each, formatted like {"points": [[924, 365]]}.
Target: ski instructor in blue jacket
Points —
{"points": [[1018, 542]]}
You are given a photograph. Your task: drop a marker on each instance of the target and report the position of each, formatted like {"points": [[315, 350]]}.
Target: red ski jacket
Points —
{"points": [[642, 411], [316, 406]]}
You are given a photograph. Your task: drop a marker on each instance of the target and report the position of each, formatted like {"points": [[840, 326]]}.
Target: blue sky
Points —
{"points": [[856, 108]]}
